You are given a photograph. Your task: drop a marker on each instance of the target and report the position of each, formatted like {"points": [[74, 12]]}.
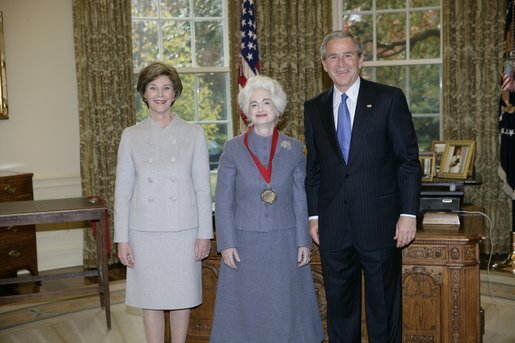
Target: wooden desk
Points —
{"points": [[55, 211], [441, 284], [440, 287]]}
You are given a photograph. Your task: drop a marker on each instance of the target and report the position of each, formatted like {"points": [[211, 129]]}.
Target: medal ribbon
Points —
{"points": [[265, 172]]}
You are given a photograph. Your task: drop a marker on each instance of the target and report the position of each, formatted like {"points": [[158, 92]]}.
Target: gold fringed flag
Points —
{"points": [[507, 106]]}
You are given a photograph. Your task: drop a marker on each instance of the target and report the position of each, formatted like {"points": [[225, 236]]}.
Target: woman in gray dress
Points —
{"points": [[265, 289], [162, 217]]}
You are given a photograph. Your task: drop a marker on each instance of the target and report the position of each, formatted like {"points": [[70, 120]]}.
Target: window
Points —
{"points": [[191, 35], [402, 46]]}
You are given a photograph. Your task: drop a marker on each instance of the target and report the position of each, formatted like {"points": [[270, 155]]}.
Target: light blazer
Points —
{"points": [[238, 205], [382, 177], [163, 180]]}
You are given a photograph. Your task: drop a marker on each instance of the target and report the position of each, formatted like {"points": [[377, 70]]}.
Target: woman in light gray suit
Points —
{"points": [[163, 207], [265, 289]]}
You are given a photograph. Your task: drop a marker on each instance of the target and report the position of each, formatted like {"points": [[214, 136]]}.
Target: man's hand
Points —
{"points": [[313, 230], [405, 230]]}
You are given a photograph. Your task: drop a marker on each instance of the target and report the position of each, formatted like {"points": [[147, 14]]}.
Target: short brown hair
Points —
{"points": [[155, 70], [339, 34]]}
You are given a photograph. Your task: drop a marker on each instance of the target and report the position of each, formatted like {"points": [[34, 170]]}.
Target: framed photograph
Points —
{"points": [[438, 147], [427, 163], [457, 159]]}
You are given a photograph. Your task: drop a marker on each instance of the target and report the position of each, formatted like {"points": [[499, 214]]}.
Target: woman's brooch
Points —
{"points": [[286, 145]]}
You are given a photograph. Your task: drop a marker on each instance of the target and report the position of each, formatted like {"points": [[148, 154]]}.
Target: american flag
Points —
{"points": [[248, 61]]}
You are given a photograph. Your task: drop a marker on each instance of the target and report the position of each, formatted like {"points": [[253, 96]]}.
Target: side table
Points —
{"points": [[63, 210]]}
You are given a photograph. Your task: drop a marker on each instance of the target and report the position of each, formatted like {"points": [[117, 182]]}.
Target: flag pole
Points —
{"points": [[508, 265]]}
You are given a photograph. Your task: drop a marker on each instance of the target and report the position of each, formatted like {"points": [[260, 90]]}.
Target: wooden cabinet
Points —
{"points": [[440, 287], [440, 284], [17, 243]]}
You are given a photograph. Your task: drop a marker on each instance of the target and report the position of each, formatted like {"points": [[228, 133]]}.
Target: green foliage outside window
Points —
{"points": [[402, 47]]}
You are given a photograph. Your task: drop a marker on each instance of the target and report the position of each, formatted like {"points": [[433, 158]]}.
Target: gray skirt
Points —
{"points": [[165, 274], [268, 299]]}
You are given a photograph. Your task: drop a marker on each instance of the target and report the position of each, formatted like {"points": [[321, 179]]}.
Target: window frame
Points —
{"points": [[338, 14]]}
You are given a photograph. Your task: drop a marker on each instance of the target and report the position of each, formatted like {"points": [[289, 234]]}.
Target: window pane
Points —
{"points": [[216, 137], [144, 8], [425, 34], [424, 3], [428, 130], [209, 43], [177, 43], [424, 89], [361, 5], [208, 8], [185, 104], [393, 76], [212, 96], [391, 36], [144, 43], [175, 8], [390, 4], [361, 26]]}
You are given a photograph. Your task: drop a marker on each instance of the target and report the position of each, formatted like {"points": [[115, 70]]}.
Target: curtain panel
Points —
{"points": [[103, 53], [473, 47]]}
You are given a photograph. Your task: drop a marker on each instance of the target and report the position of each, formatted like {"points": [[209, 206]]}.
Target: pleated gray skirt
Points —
{"points": [[165, 274]]}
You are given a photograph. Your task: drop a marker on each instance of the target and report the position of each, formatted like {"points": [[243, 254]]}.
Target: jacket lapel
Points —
{"points": [[327, 120], [362, 116]]}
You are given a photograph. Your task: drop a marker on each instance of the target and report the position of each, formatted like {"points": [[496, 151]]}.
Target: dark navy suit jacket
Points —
{"points": [[361, 200]]}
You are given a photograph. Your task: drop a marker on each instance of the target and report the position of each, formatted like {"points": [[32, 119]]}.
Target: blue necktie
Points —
{"points": [[343, 129]]}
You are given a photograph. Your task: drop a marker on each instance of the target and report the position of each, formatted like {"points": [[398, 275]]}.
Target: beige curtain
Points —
{"points": [[289, 36], [471, 91], [103, 52]]}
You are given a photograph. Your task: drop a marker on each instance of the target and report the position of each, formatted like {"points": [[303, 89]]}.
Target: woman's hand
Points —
{"points": [[303, 256], [202, 247], [125, 254], [230, 257]]}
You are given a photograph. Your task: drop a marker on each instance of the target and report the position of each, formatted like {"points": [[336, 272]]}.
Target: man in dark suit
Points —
{"points": [[363, 190]]}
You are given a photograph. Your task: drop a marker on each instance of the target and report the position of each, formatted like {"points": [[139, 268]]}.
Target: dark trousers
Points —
{"points": [[382, 270]]}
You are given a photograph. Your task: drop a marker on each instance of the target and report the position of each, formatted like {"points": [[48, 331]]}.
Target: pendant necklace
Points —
{"points": [[268, 195]]}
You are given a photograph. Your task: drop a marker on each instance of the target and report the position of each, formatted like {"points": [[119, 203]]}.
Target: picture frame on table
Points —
{"points": [[427, 164], [438, 147], [457, 159]]}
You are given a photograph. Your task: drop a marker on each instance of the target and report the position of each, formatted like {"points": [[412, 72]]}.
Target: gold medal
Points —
{"points": [[269, 196]]}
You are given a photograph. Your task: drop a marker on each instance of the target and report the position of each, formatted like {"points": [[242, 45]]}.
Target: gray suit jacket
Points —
{"points": [[238, 203], [163, 180]]}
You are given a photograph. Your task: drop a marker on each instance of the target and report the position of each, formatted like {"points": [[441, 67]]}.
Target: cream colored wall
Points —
{"points": [[42, 133]]}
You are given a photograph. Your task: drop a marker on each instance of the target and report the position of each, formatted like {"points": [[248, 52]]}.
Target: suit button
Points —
{"points": [[345, 202], [150, 200], [150, 180], [173, 178], [347, 175], [173, 198]]}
